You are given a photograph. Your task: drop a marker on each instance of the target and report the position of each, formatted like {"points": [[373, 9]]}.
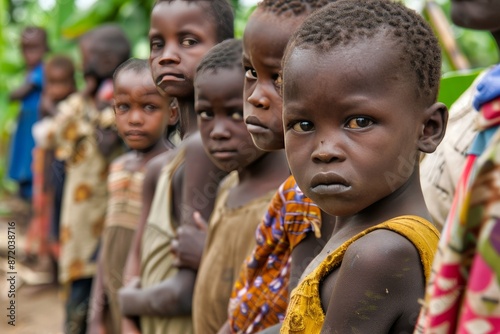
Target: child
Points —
{"points": [[142, 116], [360, 81], [34, 47], [292, 227], [185, 178], [468, 250], [83, 136], [243, 195], [59, 83]]}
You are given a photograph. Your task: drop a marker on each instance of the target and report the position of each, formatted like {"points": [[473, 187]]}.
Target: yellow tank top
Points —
{"points": [[305, 304]]}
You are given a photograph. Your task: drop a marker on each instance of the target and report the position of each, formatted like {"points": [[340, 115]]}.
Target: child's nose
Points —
{"points": [[170, 54], [220, 131], [258, 97], [327, 151], [136, 117]]}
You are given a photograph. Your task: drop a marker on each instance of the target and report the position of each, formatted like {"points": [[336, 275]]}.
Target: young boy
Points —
{"points": [[468, 249], [142, 116], [243, 195], [34, 47], [59, 83], [360, 80], [180, 35], [83, 136], [292, 227]]}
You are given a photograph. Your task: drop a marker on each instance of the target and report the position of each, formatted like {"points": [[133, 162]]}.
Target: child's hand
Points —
{"points": [[189, 244], [127, 297]]}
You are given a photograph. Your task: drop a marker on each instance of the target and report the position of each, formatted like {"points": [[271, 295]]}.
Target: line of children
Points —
{"points": [[142, 118], [82, 134], [360, 82], [292, 232], [243, 195], [185, 180]]}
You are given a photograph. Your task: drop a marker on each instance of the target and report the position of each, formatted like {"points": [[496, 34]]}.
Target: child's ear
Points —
{"points": [[433, 127], [174, 112]]}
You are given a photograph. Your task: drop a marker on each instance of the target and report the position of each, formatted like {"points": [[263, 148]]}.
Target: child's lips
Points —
{"points": [[224, 154], [329, 184], [135, 134], [169, 77], [254, 125]]}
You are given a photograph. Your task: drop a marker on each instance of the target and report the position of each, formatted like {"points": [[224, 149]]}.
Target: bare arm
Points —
{"points": [[97, 302], [170, 298], [199, 189], [377, 286], [21, 92]]}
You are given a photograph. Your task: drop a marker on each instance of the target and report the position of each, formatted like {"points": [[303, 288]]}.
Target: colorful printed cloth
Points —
{"points": [[260, 295], [463, 295]]}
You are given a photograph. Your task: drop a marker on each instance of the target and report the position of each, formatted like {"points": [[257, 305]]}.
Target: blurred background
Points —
{"points": [[65, 20]]}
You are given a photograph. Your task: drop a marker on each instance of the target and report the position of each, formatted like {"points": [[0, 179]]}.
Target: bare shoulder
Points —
{"points": [[378, 285], [155, 165], [383, 252]]}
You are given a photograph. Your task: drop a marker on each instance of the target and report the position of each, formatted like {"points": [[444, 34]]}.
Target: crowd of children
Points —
{"points": [[269, 184]]}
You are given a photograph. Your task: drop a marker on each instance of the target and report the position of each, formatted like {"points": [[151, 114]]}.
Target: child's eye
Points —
{"points": [[150, 108], [303, 126], [205, 115], [121, 108], [250, 73], [237, 115], [277, 80], [359, 123], [155, 44], [189, 42]]}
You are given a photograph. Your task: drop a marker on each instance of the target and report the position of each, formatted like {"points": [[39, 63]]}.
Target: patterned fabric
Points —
{"points": [[229, 241], [463, 295], [260, 295], [22, 142], [72, 133], [441, 170], [305, 314], [123, 213]]}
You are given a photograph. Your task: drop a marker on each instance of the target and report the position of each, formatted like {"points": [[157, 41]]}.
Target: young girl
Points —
{"points": [[142, 116], [360, 82]]}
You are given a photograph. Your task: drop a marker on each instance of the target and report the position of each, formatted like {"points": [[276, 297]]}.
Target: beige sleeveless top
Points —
{"points": [[156, 259]]}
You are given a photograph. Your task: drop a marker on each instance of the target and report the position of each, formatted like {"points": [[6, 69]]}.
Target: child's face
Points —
{"points": [[59, 83], [219, 106], [480, 15], [264, 43], [179, 36], [142, 114], [352, 124], [33, 48]]}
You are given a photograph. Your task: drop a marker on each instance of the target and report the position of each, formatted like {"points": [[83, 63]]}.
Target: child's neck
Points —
{"points": [[406, 200], [188, 116], [161, 146], [268, 168]]}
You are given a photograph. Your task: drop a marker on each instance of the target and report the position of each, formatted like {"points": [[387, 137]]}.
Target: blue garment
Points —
{"points": [[21, 155]]}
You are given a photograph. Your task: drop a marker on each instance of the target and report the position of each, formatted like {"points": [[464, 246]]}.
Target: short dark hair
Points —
{"points": [[226, 54], [110, 38], [62, 62], [133, 64], [345, 21], [221, 12], [292, 7], [36, 32]]}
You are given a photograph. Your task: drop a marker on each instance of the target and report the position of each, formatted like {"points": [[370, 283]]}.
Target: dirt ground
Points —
{"points": [[38, 308]]}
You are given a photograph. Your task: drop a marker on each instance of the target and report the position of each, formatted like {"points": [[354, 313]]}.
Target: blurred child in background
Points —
{"points": [[34, 46], [142, 117]]}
